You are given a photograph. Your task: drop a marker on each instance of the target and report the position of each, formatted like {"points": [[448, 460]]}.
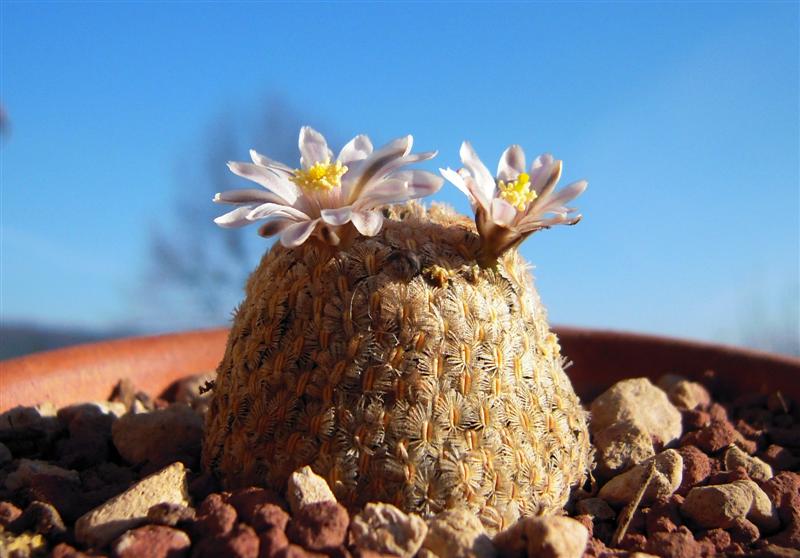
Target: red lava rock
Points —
{"points": [[268, 516], [203, 485], [271, 541], [67, 497], [784, 491], [719, 540], [247, 500], [633, 542], [774, 551], [664, 516], [42, 518], [751, 433], [742, 531], [152, 541], [8, 513], [63, 550], [779, 457], [241, 542], [214, 518], [712, 438], [696, 468], [678, 544], [320, 526], [295, 551], [718, 413], [756, 416], [586, 521], [724, 477], [170, 514], [596, 549], [604, 530], [694, 419]]}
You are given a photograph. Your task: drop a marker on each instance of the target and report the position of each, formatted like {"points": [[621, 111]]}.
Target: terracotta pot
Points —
{"points": [[89, 372]]}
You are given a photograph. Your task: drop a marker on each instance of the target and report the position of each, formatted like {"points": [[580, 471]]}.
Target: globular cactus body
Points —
{"points": [[401, 371]]}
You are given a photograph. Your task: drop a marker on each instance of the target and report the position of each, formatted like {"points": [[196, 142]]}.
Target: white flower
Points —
{"points": [[325, 194], [516, 203]]}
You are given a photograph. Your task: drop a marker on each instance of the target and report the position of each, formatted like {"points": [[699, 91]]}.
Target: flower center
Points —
{"points": [[320, 177], [518, 193]]}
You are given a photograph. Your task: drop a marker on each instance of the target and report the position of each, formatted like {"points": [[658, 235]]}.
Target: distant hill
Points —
{"points": [[17, 339]]}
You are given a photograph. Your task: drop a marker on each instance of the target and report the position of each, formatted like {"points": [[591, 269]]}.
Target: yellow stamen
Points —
{"points": [[518, 193], [320, 177]]}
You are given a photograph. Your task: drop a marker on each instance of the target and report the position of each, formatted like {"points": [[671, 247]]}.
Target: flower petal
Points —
{"points": [[356, 149], [382, 192], [368, 223], [503, 213], [278, 210], [355, 180], [458, 181], [247, 195], [267, 178], [511, 164], [484, 181], [274, 226], [337, 216], [235, 218], [419, 183], [313, 147], [294, 235], [265, 161]]}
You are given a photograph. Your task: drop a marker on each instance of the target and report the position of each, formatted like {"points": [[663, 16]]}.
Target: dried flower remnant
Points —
{"points": [[324, 196], [516, 203]]}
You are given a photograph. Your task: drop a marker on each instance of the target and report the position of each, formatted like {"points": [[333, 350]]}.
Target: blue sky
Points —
{"points": [[683, 117]]}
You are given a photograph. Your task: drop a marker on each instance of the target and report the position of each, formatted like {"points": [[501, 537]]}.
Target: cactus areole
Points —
{"points": [[402, 352]]}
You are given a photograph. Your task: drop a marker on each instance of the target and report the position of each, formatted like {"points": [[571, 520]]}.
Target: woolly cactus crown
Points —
{"points": [[403, 353]]}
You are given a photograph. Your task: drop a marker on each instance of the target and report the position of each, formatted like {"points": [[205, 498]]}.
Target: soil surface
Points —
{"points": [[679, 475]]}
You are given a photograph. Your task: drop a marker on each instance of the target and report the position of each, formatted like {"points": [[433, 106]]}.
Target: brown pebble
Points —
{"points": [[696, 468], [268, 516], [152, 541], [718, 413], [63, 550], [779, 457], [783, 490], [247, 500], [41, 518], [8, 513], [633, 542], [664, 516], [752, 433], [712, 438], [678, 544], [719, 539], [203, 485], [241, 542], [743, 531], [725, 477], [319, 526], [587, 521], [775, 551], [271, 541], [214, 518], [694, 419], [170, 514], [295, 551]]}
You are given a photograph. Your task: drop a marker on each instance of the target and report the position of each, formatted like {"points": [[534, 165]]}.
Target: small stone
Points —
{"points": [[248, 500], [694, 419], [780, 458], [678, 544], [761, 512], [215, 517], [320, 526], [458, 533], [63, 550], [743, 531], [775, 551], [306, 487], [41, 518], [621, 446], [712, 438], [295, 551], [726, 477], [696, 468], [689, 395], [666, 479], [642, 402], [664, 515], [160, 437], [717, 505], [545, 537], [187, 391], [271, 541], [170, 514], [5, 454], [129, 509], [384, 528], [153, 541], [718, 539], [596, 508], [34, 419], [756, 468], [241, 542], [29, 468]]}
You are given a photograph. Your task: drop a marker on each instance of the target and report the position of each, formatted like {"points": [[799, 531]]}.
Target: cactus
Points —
{"points": [[400, 370]]}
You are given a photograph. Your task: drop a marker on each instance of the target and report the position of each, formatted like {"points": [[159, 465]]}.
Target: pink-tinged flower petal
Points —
{"points": [[541, 170], [273, 227], [277, 210], [313, 147], [419, 183], [235, 218], [566, 194], [355, 180], [265, 161], [356, 149], [503, 213], [267, 178], [512, 164], [368, 223], [337, 216], [484, 182], [384, 192], [294, 235], [247, 195]]}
